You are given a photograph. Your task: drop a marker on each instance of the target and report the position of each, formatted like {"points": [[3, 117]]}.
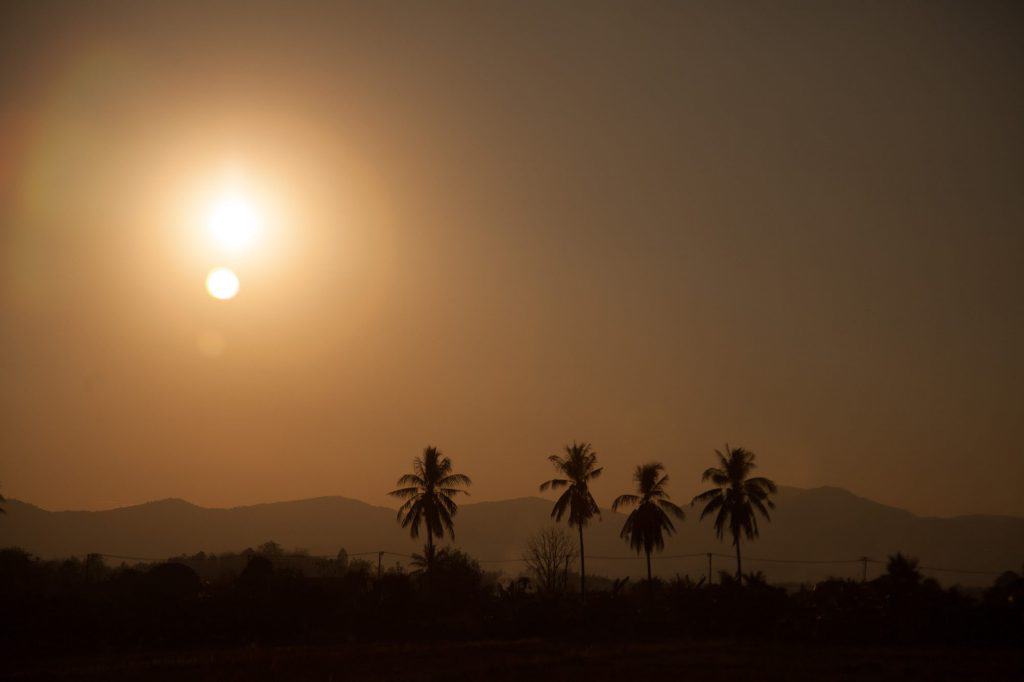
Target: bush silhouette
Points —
{"points": [[80, 605], [172, 582]]}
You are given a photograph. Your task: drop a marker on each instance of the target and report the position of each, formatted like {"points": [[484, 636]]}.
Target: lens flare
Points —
{"points": [[222, 284]]}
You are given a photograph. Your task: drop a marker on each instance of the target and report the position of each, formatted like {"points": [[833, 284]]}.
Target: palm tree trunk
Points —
{"points": [[648, 566], [583, 568], [430, 550], [739, 563]]}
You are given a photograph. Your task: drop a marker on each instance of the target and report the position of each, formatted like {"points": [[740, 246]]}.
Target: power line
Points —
{"points": [[795, 561], [959, 570], [659, 556], [942, 569], [129, 558]]}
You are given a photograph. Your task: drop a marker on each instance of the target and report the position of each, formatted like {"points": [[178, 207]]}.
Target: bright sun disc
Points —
{"points": [[222, 283], [233, 222]]}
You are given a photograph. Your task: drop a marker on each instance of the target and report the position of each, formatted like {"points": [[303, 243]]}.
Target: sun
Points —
{"points": [[222, 284], [234, 222]]}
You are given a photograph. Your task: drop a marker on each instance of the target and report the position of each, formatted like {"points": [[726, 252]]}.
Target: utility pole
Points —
{"points": [[709, 568], [864, 569], [380, 558]]}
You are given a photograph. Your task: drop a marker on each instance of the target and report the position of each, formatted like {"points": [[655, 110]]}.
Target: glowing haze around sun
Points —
{"points": [[234, 224]]}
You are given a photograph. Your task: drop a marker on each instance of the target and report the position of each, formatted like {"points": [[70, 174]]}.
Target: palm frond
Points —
{"points": [[720, 519], [622, 500], [452, 491], [405, 492], [561, 504], [764, 483], [452, 480], [412, 520], [411, 479], [407, 505], [672, 508], [707, 495], [553, 484], [713, 472], [760, 506], [715, 504]]}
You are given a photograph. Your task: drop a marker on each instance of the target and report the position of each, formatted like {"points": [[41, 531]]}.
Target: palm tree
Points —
{"points": [[579, 468], [650, 520], [736, 497], [421, 562], [428, 493]]}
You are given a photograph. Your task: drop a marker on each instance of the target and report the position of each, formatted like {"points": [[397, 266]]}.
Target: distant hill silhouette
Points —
{"points": [[818, 524]]}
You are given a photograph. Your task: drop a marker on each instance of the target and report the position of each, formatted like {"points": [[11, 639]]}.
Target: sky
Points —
{"points": [[794, 227]]}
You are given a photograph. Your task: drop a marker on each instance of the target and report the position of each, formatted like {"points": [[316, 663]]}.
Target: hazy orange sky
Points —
{"points": [[795, 227]]}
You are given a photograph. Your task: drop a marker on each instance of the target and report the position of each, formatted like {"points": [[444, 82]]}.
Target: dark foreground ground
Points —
{"points": [[541, 660]]}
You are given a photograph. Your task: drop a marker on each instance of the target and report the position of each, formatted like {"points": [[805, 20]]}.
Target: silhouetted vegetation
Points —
{"points": [[549, 556], [84, 604], [269, 595], [646, 525], [736, 499], [579, 468], [428, 493]]}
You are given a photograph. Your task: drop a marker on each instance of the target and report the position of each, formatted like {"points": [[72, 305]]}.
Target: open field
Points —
{"points": [[542, 660]]}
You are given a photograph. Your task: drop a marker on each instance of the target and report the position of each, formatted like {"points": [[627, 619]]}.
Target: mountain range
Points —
{"points": [[823, 524]]}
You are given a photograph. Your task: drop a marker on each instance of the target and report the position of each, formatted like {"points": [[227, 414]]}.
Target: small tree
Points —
{"points": [[550, 554], [271, 550], [903, 570]]}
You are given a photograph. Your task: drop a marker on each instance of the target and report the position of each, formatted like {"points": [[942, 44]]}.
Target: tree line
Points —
{"points": [[267, 596], [736, 500]]}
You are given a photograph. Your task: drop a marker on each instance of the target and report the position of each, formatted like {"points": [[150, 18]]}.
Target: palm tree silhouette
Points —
{"points": [[421, 562], [579, 467], [736, 497], [650, 520], [428, 493]]}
